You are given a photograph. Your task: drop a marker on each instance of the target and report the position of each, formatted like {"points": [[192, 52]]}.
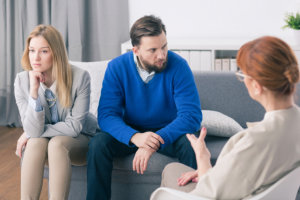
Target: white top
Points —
{"points": [[144, 74], [255, 158]]}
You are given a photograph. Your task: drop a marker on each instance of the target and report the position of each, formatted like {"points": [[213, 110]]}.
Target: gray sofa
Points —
{"points": [[219, 92]]}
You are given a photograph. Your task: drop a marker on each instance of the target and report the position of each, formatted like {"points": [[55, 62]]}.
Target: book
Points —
{"points": [[225, 64], [233, 66], [205, 60], [218, 64], [184, 54], [195, 60]]}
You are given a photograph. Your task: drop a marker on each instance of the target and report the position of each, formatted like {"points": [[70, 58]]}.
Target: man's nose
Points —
{"points": [[161, 54]]}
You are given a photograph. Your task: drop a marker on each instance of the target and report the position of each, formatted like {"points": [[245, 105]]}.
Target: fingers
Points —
{"points": [[183, 180], [140, 160], [195, 180], [152, 140], [203, 134], [158, 138], [153, 143], [187, 177], [18, 152], [134, 168], [191, 137], [145, 164], [19, 149], [22, 141], [139, 165]]}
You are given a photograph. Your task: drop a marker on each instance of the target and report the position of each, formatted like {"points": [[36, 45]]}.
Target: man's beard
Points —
{"points": [[150, 68]]}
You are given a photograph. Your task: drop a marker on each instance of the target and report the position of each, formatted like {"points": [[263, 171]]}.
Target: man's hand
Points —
{"points": [[141, 159], [147, 140], [187, 177]]}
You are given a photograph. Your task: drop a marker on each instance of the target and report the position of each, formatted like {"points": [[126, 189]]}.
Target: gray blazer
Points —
{"points": [[72, 121]]}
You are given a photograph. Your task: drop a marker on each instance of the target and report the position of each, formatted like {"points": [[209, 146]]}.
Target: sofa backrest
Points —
{"points": [[221, 91], [96, 71]]}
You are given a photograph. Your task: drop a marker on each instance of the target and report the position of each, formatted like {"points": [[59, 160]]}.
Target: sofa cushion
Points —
{"points": [[218, 124], [96, 71]]}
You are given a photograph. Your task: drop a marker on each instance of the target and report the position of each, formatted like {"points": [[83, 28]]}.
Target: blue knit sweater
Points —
{"points": [[169, 104]]}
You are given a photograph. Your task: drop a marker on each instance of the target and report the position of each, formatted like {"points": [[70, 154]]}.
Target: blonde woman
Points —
{"points": [[256, 157], [53, 100]]}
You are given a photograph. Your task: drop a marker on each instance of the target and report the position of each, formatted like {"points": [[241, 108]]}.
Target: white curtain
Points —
{"points": [[93, 30]]}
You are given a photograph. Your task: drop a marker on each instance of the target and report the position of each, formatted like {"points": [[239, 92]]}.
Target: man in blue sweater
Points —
{"points": [[148, 103]]}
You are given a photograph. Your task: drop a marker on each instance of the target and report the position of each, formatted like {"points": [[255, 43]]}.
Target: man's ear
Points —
{"points": [[135, 50], [258, 88]]}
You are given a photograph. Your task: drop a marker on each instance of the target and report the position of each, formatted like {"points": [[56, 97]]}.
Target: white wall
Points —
{"points": [[218, 18]]}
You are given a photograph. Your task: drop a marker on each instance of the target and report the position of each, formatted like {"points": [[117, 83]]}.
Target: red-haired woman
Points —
{"points": [[258, 156]]}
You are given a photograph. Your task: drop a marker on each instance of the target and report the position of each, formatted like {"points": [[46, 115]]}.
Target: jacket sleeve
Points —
{"points": [[73, 124], [33, 122]]}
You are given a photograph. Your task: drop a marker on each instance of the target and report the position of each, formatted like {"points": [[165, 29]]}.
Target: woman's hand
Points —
{"points": [[201, 151], [199, 145], [188, 177], [21, 144], [35, 78]]}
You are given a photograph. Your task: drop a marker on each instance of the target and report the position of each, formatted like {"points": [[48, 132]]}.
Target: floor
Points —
{"points": [[10, 166]]}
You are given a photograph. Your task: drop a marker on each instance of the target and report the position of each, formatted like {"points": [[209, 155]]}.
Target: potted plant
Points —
{"points": [[293, 22]]}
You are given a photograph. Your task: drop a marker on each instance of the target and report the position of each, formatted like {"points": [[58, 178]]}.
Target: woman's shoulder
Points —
{"points": [[79, 73], [22, 76]]}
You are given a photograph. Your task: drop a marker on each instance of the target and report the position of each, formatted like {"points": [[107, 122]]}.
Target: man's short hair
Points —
{"points": [[148, 25]]}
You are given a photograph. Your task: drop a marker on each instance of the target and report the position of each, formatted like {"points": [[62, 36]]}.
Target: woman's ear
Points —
{"points": [[258, 89]]}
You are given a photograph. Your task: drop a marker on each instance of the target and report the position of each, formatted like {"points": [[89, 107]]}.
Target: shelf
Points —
{"points": [[206, 54]]}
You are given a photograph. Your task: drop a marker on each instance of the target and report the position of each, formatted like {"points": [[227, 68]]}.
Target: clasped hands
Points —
{"points": [[147, 143]]}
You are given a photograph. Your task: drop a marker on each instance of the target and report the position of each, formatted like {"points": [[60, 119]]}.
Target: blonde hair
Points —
{"points": [[61, 69]]}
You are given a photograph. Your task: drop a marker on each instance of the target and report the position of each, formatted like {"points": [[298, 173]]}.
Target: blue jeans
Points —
{"points": [[103, 148]]}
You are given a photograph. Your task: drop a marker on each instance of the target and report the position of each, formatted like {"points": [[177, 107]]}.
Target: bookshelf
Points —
{"points": [[207, 54]]}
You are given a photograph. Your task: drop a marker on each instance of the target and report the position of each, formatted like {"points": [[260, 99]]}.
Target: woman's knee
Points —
{"points": [[171, 168], [58, 144], [37, 144]]}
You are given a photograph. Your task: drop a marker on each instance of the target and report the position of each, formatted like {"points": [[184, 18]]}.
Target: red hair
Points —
{"points": [[271, 62]]}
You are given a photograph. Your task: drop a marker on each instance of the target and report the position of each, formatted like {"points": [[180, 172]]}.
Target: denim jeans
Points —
{"points": [[103, 148]]}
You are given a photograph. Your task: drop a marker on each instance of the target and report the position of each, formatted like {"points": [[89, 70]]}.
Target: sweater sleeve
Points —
{"points": [[189, 115], [111, 108]]}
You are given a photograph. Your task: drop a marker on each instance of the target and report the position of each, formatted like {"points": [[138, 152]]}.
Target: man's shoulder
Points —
{"points": [[176, 62], [124, 58], [122, 63], [172, 56]]}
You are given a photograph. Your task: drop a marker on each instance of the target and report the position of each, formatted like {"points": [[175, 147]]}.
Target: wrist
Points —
{"points": [[34, 94], [133, 138]]}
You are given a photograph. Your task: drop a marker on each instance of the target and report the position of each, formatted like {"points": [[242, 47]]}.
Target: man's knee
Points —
{"points": [[100, 143], [183, 144]]}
